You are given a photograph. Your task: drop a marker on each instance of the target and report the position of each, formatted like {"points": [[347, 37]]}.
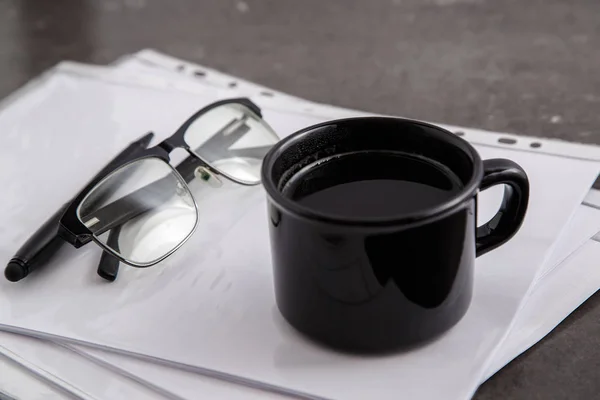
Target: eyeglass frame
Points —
{"points": [[72, 230]]}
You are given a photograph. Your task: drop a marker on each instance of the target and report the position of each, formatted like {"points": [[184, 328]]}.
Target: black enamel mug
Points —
{"points": [[379, 282]]}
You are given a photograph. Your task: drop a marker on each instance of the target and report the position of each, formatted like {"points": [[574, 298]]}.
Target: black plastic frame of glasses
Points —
{"points": [[75, 232]]}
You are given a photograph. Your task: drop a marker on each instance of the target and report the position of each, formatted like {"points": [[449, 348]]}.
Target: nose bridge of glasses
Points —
{"points": [[172, 143], [189, 167]]}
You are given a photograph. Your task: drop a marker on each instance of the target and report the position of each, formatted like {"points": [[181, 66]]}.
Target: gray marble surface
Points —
{"points": [[528, 67]]}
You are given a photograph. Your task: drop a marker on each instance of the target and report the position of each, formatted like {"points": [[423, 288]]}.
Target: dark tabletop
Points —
{"points": [[528, 67]]}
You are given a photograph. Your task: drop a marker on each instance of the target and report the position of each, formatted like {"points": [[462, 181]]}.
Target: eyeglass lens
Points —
{"points": [[146, 211], [233, 140]]}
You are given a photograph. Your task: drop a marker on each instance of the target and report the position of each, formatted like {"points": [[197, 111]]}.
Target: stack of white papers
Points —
{"points": [[203, 323]]}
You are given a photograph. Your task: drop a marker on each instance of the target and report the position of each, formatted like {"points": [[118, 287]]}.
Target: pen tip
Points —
{"points": [[14, 271]]}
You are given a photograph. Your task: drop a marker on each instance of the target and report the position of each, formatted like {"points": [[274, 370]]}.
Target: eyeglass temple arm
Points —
{"points": [[219, 145], [216, 146], [250, 152], [108, 267], [126, 208]]}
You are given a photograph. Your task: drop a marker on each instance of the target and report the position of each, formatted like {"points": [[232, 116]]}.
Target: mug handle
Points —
{"points": [[509, 218]]}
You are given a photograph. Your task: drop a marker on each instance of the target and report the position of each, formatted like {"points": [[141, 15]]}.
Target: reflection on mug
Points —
{"points": [[344, 274], [424, 276]]}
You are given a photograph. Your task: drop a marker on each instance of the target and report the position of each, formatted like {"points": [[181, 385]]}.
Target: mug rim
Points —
{"points": [[285, 204]]}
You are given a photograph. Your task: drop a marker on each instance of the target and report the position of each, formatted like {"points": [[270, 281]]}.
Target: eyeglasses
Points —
{"points": [[143, 210]]}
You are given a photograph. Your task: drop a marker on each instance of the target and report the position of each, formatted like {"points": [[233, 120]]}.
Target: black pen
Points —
{"points": [[43, 244]]}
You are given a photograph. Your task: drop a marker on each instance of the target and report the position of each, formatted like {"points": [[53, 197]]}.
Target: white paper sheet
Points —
{"points": [[575, 283], [566, 246], [274, 356], [149, 59], [17, 382]]}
